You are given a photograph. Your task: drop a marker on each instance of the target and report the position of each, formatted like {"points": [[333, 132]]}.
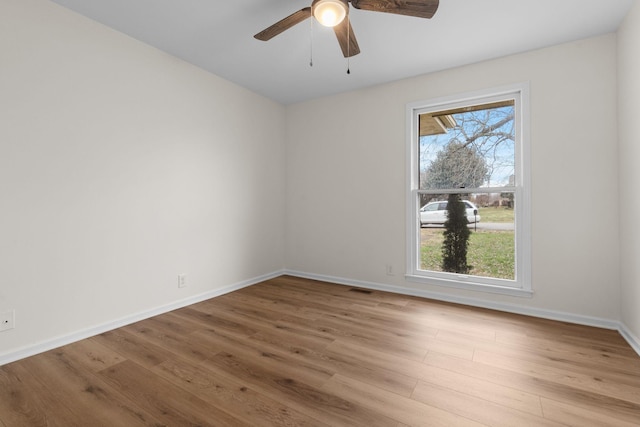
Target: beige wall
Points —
{"points": [[346, 177], [629, 133], [120, 167]]}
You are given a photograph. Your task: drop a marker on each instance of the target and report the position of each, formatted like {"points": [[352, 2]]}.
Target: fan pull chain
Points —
{"points": [[311, 43], [348, 45]]}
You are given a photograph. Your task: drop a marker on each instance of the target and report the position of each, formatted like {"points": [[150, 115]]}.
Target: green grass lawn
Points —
{"points": [[491, 253], [497, 214]]}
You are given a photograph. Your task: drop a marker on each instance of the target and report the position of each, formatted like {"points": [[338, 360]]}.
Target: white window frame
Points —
{"points": [[521, 285]]}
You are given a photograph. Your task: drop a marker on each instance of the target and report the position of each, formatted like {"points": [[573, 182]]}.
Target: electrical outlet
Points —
{"points": [[390, 271], [7, 320], [182, 280]]}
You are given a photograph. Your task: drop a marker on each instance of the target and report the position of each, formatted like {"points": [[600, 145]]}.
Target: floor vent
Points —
{"points": [[362, 291]]}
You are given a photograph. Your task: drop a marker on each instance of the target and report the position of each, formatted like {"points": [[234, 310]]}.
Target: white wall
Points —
{"points": [[120, 167], [629, 136], [346, 177]]}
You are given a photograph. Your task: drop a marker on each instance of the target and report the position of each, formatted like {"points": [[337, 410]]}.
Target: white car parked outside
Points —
{"points": [[436, 212]]}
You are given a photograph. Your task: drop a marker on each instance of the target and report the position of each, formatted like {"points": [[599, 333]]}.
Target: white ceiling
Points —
{"points": [[217, 35]]}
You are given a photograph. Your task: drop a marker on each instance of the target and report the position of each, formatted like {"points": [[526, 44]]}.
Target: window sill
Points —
{"points": [[478, 287]]}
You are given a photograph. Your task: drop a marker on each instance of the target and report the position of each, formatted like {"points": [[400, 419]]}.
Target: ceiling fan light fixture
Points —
{"points": [[330, 12]]}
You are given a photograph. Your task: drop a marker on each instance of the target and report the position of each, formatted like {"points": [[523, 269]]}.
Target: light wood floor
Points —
{"points": [[294, 352]]}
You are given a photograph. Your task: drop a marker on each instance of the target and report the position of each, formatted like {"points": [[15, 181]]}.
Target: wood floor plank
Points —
{"points": [[468, 339], [303, 370], [131, 347], [378, 357], [171, 321], [401, 345], [333, 297], [499, 394], [267, 321], [597, 354], [607, 346], [354, 364], [93, 355], [325, 407], [94, 401], [443, 344], [258, 318], [291, 327], [178, 408], [233, 397], [571, 415], [26, 401], [298, 352], [214, 320], [302, 294], [375, 317], [261, 297], [293, 339], [398, 316], [618, 370], [560, 374], [542, 387], [405, 410], [478, 409], [175, 341]]}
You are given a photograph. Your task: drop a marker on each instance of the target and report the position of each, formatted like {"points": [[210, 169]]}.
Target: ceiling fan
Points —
{"points": [[332, 13]]}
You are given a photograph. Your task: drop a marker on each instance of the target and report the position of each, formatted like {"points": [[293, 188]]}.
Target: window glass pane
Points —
{"points": [[470, 147], [491, 219]]}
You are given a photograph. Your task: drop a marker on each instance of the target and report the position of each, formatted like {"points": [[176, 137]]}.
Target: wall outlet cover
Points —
{"points": [[182, 280], [7, 320]]}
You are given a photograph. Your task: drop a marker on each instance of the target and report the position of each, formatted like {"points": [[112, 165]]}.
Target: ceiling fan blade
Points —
{"points": [[419, 8], [284, 24], [346, 38]]}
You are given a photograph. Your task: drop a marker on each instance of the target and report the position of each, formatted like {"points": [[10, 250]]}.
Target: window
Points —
{"points": [[471, 149]]}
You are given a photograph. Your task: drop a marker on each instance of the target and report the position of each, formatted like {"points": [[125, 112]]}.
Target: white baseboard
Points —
{"points": [[633, 340], [510, 308], [50, 344]]}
